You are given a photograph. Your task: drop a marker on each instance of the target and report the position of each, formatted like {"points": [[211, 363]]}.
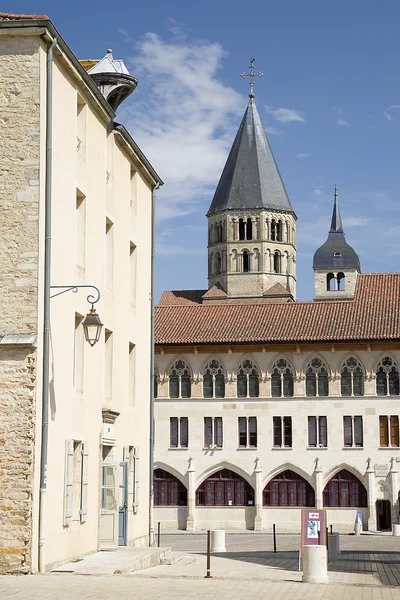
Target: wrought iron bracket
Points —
{"points": [[92, 299]]}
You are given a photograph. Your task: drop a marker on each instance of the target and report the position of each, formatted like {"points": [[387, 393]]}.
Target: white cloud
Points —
{"points": [[387, 112], [303, 155], [342, 123], [317, 191], [285, 115], [177, 29], [273, 131], [183, 118], [338, 110]]}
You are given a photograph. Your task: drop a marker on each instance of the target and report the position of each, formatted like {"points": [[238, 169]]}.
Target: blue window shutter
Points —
{"points": [[84, 482], [68, 482]]}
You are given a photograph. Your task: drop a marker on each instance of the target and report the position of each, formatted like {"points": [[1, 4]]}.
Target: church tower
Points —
{"points": [[336, 264], [251, 223]]}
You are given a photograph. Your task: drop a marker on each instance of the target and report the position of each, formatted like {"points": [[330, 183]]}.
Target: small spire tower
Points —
{"points": [[251, 223]]}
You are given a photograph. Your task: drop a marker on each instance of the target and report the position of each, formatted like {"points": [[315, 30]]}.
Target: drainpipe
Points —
{"points": [[151, 461], [46, 311]]}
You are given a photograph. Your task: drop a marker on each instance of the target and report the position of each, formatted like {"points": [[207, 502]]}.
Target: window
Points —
{"points": [[353, 432], [179, 381], [246, 261], [249, 230], [168, 490], [282, 379], [225, 488], [242, 235], [214, 380], [179, 432], [352, 378], [213, 435], [247, 432], [288, 489], [330, 282], [218, 264], [340, 282], [247, 380], [277, 261], [276, 231], [387, 378], [344, 489], [317, 379], [282, 432], [76, 481], [317, 432], [389, 431]]}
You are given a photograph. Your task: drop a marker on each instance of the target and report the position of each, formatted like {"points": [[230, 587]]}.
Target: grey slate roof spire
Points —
{"points": [[250, 178], [336, 223], [336, 252]]}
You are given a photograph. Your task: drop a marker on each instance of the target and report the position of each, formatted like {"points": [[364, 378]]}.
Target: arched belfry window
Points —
{"points": [[273, 230], [352, 378], [330, 282], [249, 230], [282, 379], [317, 378], [214, 380], [277, 261], [288, 489], [246, 261], [340, 279], [218, 264], [344, 489], [279, 230], [225, 488], [179, 380], [387, 378], [168, 490], [248, 382], [242, 232]]}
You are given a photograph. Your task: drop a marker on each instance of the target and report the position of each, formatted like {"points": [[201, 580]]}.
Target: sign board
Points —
{"points": [[313, 527], [381, 470]]}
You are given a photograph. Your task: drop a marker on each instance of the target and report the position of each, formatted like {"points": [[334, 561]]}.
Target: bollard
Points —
{"points": [[158, 533], [331, 529], [274, 531], [208, 576], [396, 529], [314, 564], [218, 541], [326, 544]]}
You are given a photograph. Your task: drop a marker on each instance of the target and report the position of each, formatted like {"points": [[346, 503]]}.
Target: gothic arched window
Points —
{"points": [[317, 379], [225, 488], [288, 489], [168, 490], [387, 378], [246, 261], [241, 230], [282, 379], [179, 380], [344, 489], [248, 382], [214, 380], [352, 378], [249, 230], [277, 261]]}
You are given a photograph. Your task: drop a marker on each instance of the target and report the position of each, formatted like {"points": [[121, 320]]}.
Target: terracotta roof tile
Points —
{"points": [[19, 17], [181, 297], [372, 315]]}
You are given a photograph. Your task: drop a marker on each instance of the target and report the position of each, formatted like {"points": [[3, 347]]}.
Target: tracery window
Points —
{"points": [[179, 380], [352, 378], [317, 379], [282, 379], [344, 489], [225, 488], [288, 489], [248, 383], [387, 378], [168, 490], [214, 380]]}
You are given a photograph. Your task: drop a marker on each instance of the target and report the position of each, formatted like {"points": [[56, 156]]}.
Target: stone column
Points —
{"points": [[267, 229], [319, 483], [191, 497], [258, 521], [236, 230], [394, 490], [371, 496]]}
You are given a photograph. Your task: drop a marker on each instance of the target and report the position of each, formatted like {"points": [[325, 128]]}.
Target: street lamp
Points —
{"points": [[91, 324]]}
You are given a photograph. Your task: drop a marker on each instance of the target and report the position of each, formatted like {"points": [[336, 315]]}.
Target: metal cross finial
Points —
{"points": [[251, 74]]}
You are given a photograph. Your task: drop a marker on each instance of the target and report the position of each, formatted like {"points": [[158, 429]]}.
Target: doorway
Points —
{"points": [[383, 515], [109, 513], [123, 506]]}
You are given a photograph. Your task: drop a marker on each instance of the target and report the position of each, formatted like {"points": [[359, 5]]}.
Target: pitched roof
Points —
{"points": [[250, 178], [372, 315], [277, 290], [18, 17]]}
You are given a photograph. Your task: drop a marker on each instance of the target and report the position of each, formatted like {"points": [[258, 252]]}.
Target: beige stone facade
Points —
{"points": [[99, 405]]}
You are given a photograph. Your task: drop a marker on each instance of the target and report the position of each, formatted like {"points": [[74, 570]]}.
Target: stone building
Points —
{"points": [[265, 404], [61, 147]]}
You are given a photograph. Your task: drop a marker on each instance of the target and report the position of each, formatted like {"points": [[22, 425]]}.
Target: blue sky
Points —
{"points": [[334, 67]]}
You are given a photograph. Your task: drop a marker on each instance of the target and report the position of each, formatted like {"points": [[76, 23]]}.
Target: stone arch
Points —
{"points": [[211, 357], [243, 358], [324, 361], [224, 465], [185, 360], [380, 357], [341, 362], [171, 471], [278, 356], [288, 467], [343, 466]]}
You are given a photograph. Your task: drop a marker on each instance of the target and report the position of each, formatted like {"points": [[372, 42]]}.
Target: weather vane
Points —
{"points": [[251, 74]]}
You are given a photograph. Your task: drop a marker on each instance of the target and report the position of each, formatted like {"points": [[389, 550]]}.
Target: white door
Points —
{"points": [[109, 508]]}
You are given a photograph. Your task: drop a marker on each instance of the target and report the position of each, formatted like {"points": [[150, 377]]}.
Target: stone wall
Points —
{"points": [[17, 422], [19, 176]]}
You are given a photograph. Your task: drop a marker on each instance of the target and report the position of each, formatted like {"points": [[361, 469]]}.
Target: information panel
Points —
{"points": [[313, 527]]}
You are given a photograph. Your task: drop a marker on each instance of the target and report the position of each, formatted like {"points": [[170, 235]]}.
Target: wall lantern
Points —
{"points": [[91, 324]]}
